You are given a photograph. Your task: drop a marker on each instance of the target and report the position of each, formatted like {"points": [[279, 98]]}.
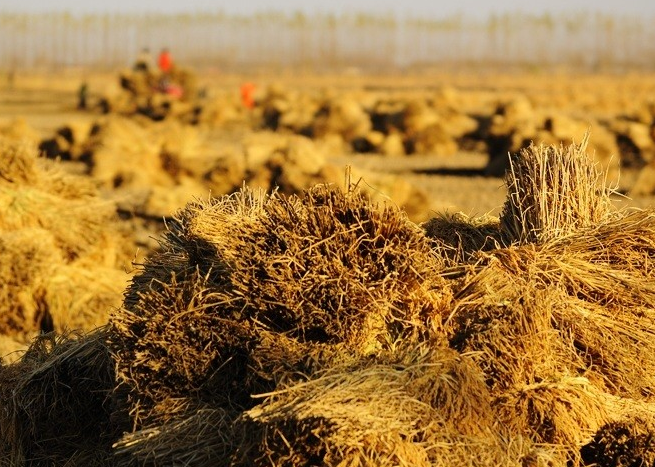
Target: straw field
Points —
{"points": [[323, 327], [416, 274]]}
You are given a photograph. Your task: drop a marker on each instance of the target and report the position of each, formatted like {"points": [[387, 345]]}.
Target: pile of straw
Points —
{"points": [[57, 404], [626, 442], [61, 256], [272, 280], [323, 329], [417, 409], [558, 317], [553, 191]]}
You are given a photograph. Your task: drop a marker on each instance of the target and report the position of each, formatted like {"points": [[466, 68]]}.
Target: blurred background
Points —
{"points": [[365, 34]]}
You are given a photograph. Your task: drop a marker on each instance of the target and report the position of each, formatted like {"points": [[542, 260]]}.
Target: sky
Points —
{"points": [[400, 8]]}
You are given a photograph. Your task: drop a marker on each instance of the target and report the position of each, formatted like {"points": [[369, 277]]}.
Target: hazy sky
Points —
{"points": [[430, 8]]}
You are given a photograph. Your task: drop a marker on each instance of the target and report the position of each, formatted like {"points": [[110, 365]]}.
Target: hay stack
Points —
{"points": [[426, 409], [431, 130], [68, 142], [325, 271], [602, 148], [321, 329], [289, 163], [27, 258], [345, 116], [125, 154], [555, 312], [32, 188], [414, 406], [57, 403], [512, 126], [55, 231]]}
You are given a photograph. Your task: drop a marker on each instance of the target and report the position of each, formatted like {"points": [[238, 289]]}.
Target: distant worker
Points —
{"points": [[82, 93], [247, 95], [144, 61], [165, 61]]}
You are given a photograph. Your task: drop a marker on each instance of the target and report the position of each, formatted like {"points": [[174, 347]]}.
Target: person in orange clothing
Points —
{"points": [[165, 61], [247, 95]]}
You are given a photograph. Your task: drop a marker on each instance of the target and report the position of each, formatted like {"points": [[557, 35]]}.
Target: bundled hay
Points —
{"points": [[461, 236], [56, 403], [553, 191], [126, 153], [81, 298], [204, 436], [289, 163], [325, 269], [624, 443], [554, 320], [564, 412], [17, 166], [57, 236], [429, 410], [27, 257], [415, 406], [323, 329], [588, 292], [30, 193], [345, 116], [513, 123]]}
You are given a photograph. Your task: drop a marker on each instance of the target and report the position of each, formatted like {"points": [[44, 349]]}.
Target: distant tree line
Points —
{"points": [[324, 42]]}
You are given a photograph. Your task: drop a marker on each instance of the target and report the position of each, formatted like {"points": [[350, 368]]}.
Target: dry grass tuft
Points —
{"points": [[553, 191], [380, 414], [325, 270], [460, 236], [57, 402], [565, 411]]}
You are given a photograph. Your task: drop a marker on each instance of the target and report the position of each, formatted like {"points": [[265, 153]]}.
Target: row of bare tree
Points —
{"points": [[589, 40]]}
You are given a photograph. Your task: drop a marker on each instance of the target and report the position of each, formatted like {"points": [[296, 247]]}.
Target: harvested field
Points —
{"points": [[416, 271], [325, 327]]}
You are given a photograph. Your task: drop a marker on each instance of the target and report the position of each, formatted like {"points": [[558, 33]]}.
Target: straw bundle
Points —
{"points": [[461, 237], [126, 153], [629, 442], [344, 115], [16, 166], [59, 247], [552, 192], [79, 297], [56, 403], [586, 316], [325, 268], [27, 257], [376, 414], [203, 436], [30, 193], [565, 411]]}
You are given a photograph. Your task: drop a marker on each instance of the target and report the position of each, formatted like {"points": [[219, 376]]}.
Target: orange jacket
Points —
{"points": [[165, 61]]}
